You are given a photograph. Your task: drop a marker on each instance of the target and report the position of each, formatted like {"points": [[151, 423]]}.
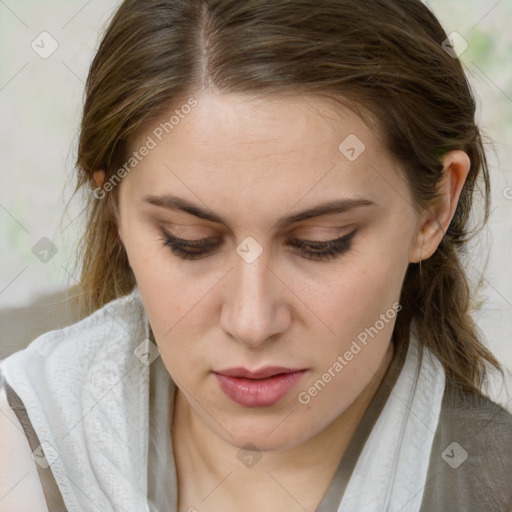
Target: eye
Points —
{"points": [[189, 249], [327, 250], [310, 249]]}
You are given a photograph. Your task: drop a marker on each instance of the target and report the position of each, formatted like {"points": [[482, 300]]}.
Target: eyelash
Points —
{"points": [[329, 249]]}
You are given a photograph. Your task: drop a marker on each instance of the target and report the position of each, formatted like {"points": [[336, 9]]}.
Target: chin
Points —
{"points": [[266, 435]]}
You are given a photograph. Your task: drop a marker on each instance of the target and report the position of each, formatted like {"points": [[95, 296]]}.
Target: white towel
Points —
{"points": [[87, 396], [391, 471]]}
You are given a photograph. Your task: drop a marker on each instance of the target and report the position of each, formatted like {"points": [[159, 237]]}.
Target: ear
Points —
{"points": [[99, 177], [436, 219]]}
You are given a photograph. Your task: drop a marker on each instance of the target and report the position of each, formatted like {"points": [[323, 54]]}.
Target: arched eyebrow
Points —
{"points": [[333, 207]]}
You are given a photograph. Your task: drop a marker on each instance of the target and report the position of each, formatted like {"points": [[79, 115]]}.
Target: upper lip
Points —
{"points": [[262, 373]]}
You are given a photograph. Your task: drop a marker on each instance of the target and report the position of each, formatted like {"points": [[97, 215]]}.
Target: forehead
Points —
{"points": [[292, 147], [246, 121]]}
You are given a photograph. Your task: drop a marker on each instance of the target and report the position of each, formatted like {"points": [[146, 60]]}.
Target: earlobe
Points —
{"points": [[436, 219], [99, 177]]}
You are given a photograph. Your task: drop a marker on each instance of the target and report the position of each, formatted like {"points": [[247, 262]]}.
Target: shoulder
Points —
{"points": [[91, 366], [486, 425], [471, 459], [64, 356], [20, 486]]}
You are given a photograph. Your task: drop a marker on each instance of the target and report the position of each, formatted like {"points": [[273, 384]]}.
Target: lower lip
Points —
{"points": [[260, 392]]}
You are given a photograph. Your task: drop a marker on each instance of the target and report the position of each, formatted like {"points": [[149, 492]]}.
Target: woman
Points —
{"points": [[275, 312]]}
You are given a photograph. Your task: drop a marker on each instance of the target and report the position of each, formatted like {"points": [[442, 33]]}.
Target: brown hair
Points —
{"points": [[383, 58]]}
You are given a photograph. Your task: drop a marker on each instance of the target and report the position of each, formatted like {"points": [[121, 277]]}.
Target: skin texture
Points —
{"points": [[252, 160]]}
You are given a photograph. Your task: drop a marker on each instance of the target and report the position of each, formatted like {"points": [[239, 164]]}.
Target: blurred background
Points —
{"points": [[47, 47]]}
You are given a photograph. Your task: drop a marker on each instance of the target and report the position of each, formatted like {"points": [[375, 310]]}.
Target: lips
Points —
{"points": [[260, 388], [262, 373]]}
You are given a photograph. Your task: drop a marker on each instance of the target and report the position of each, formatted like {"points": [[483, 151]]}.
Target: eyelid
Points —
{"points": [[346, 230], [313, 250], [200, 242], [322, 244]]}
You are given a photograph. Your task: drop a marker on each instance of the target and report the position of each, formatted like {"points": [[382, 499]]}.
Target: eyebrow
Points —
{"points": [[176, 203]]}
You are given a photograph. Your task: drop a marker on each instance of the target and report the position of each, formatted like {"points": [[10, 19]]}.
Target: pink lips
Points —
{"points": [[261, 388]]}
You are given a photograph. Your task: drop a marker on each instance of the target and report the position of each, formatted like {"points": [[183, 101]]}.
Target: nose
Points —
{"points": [[254, 308]]}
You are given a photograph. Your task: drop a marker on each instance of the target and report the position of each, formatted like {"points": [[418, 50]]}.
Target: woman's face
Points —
{"points": [[256, 298]]}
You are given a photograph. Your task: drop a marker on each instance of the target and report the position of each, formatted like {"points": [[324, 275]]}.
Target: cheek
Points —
{"points": [[175, 319], [354, 296], [179, 307], [360, 308], [166, 290]]}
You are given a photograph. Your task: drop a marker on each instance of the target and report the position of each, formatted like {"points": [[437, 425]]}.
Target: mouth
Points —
{"points": [[262, 373], [261, 388]]}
